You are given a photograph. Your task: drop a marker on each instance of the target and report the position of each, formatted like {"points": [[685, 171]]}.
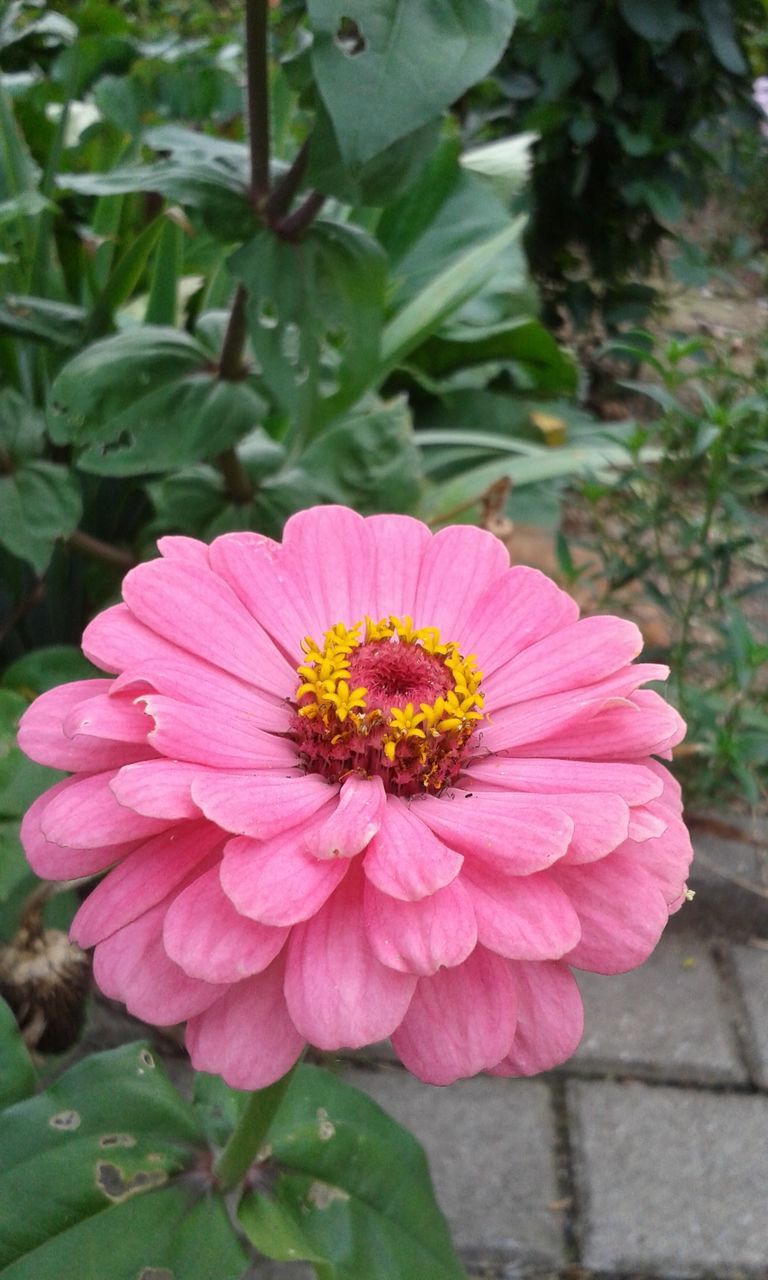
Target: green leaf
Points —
{"points": [[721, 33], [26, 205], [315, 311], [22, 427], [17, 1075], [377, 70], [444, 295], [525, 345], [148, 400], [99, 1178], [369, 460], [46, 668], [59, 323], [21, 780], [123, 279], [546, 464], [39, 503], [352, 1191], [205, 173], [166, 272], [655, 20]]}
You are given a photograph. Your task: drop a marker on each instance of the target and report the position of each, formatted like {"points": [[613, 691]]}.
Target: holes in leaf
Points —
{"points": [[290, 343], [349, 38], [267, 314]]}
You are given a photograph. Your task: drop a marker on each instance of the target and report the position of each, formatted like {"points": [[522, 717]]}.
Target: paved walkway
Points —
{"points": [[646, 1156]]}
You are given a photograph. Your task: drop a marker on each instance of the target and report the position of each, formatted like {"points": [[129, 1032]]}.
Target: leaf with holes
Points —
{"points": [[315, 311], [149, 400], [103, 1174], [384, 69], [350, 1190]]}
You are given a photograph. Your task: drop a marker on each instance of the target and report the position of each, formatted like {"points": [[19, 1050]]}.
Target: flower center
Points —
{"points": [[395, 702]]}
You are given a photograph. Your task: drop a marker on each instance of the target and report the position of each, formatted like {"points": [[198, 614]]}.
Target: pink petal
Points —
{"points": [[509, 831], [563, 715], [246, 1037], [622, 912], [260, 804], [353, 823], [108, 716], [665, 858], [132, 966], [208, 939], [575, 656], [523, 918], [550, 1019], [199, 612], [115, 639], [635, 783], [51, 861], [600, 822], [257, 570], [400, 543], [87, 815], [460, 1020], [405, 860], [275, 881], [330, 553], [41, 733], [157, 788], [226, 741], [339, 995], [189, 679], [177, 547], [459, 564], [644, 825], [420, 937], [142, 880], [522, 608], [644, 726]]}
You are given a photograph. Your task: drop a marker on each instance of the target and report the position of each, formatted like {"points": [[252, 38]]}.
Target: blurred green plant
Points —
{"points": [[637, 108], [689, 529]]}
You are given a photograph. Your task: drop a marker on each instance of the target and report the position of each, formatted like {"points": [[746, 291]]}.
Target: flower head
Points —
{"points": [[368, 782]]}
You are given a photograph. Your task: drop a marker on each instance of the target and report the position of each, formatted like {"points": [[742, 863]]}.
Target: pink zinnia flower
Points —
{"points": [[370, 782]]}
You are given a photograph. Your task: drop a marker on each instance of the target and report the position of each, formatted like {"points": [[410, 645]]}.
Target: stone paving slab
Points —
{"points": [[751, 967], [670, 1180], [490, 1145], [666, 1020]]}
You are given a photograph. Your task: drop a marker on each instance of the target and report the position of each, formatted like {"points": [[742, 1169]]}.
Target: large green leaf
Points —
{"points": [[315, 311], [39, 502], [212, 179], [386, 68], [17, 1075], [98, 1178], [351, 1190], [368, 460], [524, 347], [718, 18], [149, 400], [46, 668]]}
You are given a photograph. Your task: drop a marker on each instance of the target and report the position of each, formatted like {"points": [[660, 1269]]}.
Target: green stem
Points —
{"points": [[257, 93], [249, 1134]]}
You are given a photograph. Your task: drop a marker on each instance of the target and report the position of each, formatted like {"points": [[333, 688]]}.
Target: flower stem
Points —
{"points": [[250, 1131], [257, 73]]}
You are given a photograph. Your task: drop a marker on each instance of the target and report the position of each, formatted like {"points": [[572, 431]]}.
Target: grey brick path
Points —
{"points": [[490, 1145], [674, 1180], [649, 1021]]}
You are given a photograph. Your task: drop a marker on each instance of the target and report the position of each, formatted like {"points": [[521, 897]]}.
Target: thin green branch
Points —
{"points": [[250, 1133]]}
